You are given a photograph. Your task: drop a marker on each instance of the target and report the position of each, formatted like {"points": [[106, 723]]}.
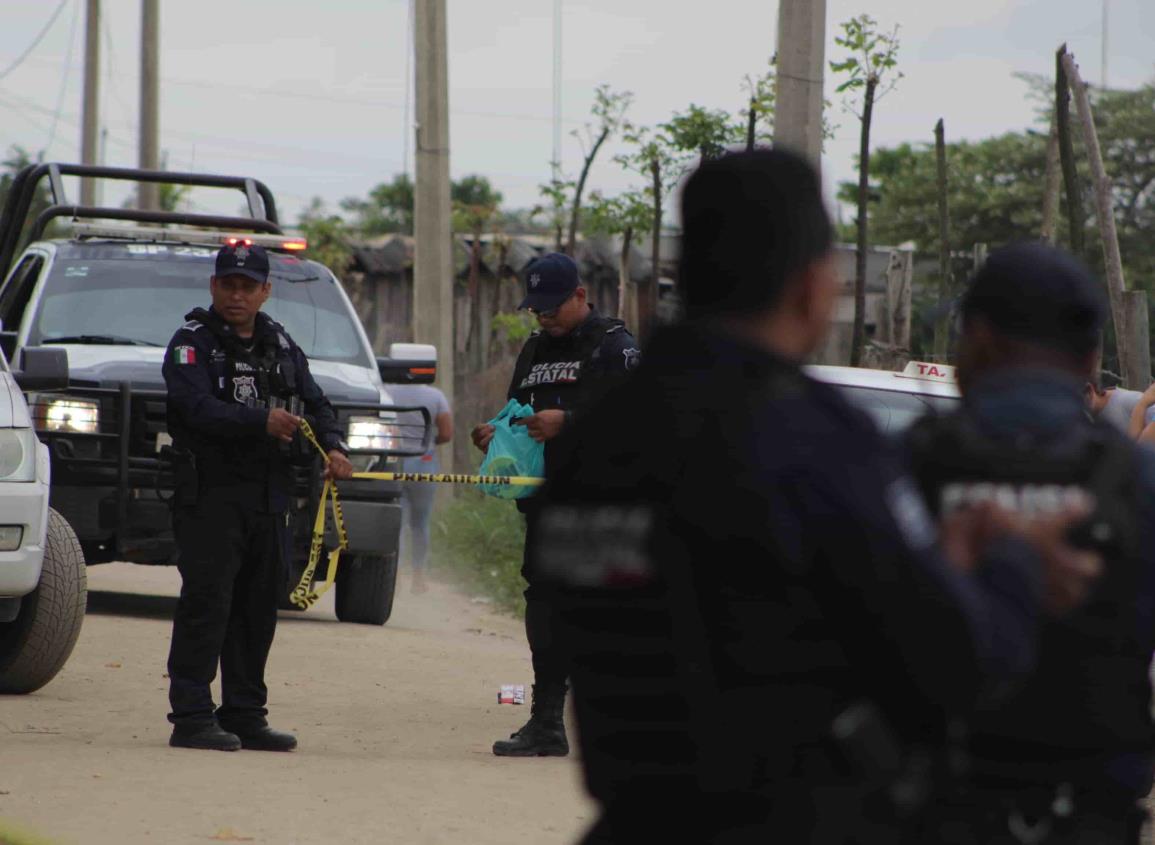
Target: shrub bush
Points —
{"points": [[477, 541]]}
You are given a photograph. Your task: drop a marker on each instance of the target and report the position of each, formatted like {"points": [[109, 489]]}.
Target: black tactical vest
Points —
{"points": [[550, 372], [262, 375], [259, 375], [1088, 700]]}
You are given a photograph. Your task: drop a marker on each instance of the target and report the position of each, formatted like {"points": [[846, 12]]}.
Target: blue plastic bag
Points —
{"points": [[512, 452]]}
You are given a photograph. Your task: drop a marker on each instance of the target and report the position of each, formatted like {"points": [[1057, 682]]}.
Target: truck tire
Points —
{"points": [[35, 646], [365, 588]]}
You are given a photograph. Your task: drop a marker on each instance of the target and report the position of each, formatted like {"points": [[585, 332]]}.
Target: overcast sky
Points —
{"points": [[311, 97]]}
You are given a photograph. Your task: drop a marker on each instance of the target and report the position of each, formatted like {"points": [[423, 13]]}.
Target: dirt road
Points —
{"points": [[395, 725]]}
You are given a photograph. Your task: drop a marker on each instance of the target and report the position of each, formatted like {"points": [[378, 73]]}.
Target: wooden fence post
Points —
{"points": [[942, 327], [1052, 185], [1138, 336], [1067, 155], [1105, 212]]}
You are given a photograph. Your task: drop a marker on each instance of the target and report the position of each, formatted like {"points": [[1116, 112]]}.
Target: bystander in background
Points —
{"points": [[417, 498]]}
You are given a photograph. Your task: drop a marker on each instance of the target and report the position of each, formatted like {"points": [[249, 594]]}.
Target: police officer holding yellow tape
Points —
{"points": [[236, 383]]}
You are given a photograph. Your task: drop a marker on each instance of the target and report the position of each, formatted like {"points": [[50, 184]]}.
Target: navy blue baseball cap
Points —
{"points": [[243, 258], [1035, 292], [549, 281]]}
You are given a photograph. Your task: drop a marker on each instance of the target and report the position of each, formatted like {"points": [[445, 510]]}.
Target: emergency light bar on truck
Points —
{"points": [[186, 236]]}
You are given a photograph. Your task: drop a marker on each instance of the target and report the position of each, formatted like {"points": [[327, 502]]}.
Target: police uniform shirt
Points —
{"points": [[806, 554], [570, 373], [1023, 440], [218, 410]]}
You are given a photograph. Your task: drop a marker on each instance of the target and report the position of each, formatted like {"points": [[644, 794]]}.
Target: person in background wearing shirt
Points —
{"points": [[417, 497]]}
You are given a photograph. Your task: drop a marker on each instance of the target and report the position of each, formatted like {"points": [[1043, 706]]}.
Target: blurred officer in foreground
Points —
{"points": [[235, 380], [1067, 756], [575, 357], [760, 612]]}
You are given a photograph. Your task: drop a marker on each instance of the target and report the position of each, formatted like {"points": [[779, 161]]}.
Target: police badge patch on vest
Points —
{"points": [[553, 373], [245, 389]]}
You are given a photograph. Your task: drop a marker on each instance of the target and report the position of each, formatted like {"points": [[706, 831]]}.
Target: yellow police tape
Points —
{"points": [[306, 594]]}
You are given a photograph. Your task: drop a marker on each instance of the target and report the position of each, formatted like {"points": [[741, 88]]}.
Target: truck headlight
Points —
{"points": [[17, 454], [81, 416], [372, 433]]}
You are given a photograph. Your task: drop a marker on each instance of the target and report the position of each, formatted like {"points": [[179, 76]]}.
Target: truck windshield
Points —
{"points": [[118, 297]]}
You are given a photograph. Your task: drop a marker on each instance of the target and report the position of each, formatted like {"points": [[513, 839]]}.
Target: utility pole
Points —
{"points": [[91, 105], [148, 197], [1103, 43], [557, 44], [433, 306], [799, 77]]}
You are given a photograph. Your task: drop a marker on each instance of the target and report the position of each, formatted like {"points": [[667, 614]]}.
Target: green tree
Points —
{"points": [[869, 68], [654, 158], [625, 215], [557, 194], [995, 192], [701, 132], [328, 237], [609, 117], [388, 208], [475, 204]]}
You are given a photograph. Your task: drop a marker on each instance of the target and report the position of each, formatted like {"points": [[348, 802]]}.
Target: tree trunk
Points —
{"points": [[575, 213], [474, 287], [1067, 155], [624, 275], [858, 338], [751, 126], [1052, 185], [648, 316], [942, 327], [1134, 378]]}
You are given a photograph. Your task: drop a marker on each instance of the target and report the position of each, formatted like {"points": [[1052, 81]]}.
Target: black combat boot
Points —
{"points": [[259, 737], [544, 734], [208, 737]]}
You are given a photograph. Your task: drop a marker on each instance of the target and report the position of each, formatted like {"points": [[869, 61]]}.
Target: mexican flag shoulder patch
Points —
{"points": [[185, 355]]}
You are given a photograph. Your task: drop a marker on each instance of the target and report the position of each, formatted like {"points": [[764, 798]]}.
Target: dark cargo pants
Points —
{"points": [[231, 565]]}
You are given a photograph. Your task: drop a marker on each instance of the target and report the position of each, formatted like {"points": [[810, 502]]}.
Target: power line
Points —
{"points": [[35, 42], [64, 78]]}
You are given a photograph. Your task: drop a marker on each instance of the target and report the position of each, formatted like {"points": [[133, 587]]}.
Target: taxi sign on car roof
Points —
{"points": [[928, 372]]}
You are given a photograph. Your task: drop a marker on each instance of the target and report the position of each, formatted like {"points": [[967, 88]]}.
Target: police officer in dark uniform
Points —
{"points": [[1066, 757], [235, 383], [760, 611], [575, 357]]}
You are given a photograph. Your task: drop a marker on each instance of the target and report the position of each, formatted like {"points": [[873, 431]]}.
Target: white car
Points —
{"points": [[42, 573], [895, 400]]}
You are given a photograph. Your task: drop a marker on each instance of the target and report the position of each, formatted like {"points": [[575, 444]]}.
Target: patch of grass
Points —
{"points": [[478, 541]]}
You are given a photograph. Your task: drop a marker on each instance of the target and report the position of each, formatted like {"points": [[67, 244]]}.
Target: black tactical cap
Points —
{"points": [[1035, 292], [243, 258]]}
